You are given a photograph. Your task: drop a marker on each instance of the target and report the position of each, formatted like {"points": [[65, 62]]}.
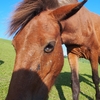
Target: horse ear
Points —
{"points": [[67, 11]]}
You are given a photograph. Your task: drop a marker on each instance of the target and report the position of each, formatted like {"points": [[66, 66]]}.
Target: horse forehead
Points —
{"points": [[45, 15], [47, 20], [45, 24]]}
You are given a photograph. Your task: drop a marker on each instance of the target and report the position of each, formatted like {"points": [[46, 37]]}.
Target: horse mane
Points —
{"points": [[27, 9], [64, 2]]}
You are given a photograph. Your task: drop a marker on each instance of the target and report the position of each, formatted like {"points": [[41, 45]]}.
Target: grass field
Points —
{"points": [[61, 89]]}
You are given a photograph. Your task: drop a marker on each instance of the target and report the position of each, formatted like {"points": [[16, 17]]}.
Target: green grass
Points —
{"points": [[61, 89], [7, 56]]}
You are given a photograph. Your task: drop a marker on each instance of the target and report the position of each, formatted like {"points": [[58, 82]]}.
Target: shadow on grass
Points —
{"points": [[64, 79], [1, 62]]}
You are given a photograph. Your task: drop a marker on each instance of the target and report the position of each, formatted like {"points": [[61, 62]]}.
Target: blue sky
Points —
{"points": [[7, 6]]}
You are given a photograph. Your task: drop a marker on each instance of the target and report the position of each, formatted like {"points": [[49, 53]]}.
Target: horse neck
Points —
{"points": [[77, 27], [82, 28]]}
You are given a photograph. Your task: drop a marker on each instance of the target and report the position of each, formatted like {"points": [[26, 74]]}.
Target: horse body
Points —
{"points": [[81, 35]]}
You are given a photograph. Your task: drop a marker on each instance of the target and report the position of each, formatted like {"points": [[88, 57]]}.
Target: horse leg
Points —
{"points": [[73, 61], [95, 76]]}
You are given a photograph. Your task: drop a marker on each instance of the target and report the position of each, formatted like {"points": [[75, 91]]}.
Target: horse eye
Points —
{"points": [[49, 47]]}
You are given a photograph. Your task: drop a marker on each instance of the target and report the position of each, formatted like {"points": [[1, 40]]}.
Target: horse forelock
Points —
{"points": [[28, 9]]}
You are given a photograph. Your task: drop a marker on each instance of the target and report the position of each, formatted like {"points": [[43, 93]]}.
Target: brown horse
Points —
{"points": [[39, 57], [81, 35]]}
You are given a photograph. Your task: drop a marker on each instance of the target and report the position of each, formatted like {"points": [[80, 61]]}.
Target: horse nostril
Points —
{"points": [[49, 47]]}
